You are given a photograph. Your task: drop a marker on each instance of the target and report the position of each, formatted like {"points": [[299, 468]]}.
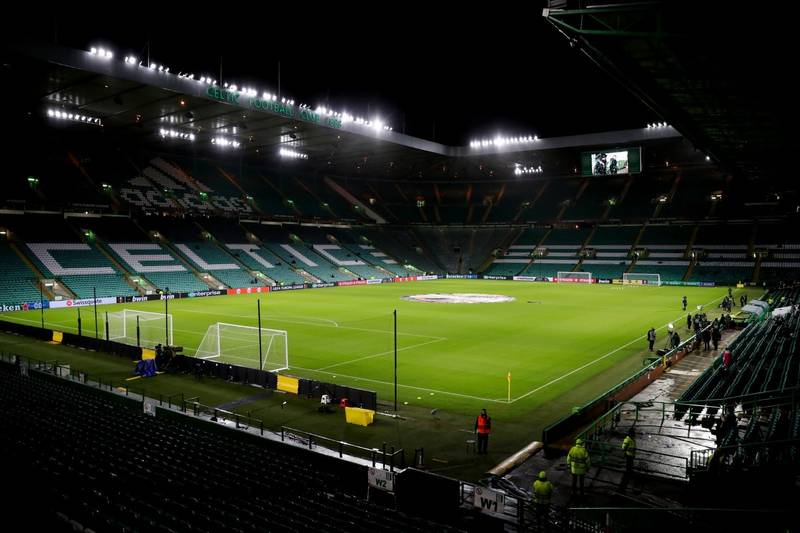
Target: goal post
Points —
{"points": [[574, 277], [239, 345], [153, 328], [642, 278]]}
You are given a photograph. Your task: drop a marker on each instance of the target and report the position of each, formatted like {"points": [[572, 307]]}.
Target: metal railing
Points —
{"points": [[783, 452], [393, 458], [65, 371], [651, 364], [386, 457], [611, 455], [222, 416], [636, 411], [635, 519]]}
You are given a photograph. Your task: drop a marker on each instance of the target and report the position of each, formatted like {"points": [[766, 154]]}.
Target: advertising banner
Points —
{"points": [[295, 287], [527, 278], [202, 294], [83, 302], [248, 290], [352, 282]]}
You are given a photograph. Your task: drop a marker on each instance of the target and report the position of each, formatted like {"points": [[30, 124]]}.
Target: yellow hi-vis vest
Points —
{"points": [[542, 491], [629, 446], [578, 460]]}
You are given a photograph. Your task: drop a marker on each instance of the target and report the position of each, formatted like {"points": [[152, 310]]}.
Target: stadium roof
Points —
{"points": [[717, 73], [151, 106]]}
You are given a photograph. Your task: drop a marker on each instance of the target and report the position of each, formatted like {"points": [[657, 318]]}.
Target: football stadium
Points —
{"points": [[243, 289]]}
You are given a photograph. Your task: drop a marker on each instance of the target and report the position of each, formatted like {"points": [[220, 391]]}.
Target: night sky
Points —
{"points": [[448, 79]]}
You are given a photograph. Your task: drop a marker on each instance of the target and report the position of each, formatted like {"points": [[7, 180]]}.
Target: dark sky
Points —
{"points": [[444, 77]]}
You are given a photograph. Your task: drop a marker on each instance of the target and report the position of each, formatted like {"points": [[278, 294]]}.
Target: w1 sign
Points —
{"points": [[489, 500]]}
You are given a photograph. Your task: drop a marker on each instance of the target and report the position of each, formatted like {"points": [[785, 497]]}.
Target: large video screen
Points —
{"points": [[611, 162]]}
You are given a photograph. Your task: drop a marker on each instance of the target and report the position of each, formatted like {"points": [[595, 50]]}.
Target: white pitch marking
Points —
{"points": [[379, 354], [637, 339]]}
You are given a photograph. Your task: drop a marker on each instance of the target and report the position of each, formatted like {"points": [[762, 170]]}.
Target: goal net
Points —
{"points": [[238, 345], [574, 277], [140, 328], [641, 279]]}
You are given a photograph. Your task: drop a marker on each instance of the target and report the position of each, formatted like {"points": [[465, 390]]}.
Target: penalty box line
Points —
{"points": [[637, 339], [403, 386], [381, 353], [62, 324], [399, 333]]}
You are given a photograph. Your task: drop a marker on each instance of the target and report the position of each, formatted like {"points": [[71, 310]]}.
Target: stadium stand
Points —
{"points": [[642, 197], [779, 246], [462, 251], [510, 199], [81, 267], [666, 248], [38, 227], [725, 259], [19, 281], [692, 196], [764, 359], [104, 465], [122, 209], [557, 195], [517, 256], [593, 200], [756, 392], [611, 248], [404, 246]]}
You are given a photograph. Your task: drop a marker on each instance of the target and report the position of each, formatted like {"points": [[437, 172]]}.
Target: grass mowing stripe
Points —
{"points": [[448, 393], [337, 326], [637, 339], [381, 353]]}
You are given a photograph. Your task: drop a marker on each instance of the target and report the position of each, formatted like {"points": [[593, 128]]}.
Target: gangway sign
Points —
{"points": [[489, 500]]}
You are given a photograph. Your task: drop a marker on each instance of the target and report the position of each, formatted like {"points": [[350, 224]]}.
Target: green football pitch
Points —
{"points": [[561, 343]]}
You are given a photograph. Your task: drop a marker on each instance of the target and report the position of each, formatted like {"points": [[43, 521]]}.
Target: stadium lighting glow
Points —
{"points": [[657, 125], [285, 152], [225, 143], [106, 53], [74, 117], [503, 141], [520, 170], [175, 134], [708, 158], [101, 52]]}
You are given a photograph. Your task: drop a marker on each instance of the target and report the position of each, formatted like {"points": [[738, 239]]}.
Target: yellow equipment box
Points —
{"points": [[356, 415]]}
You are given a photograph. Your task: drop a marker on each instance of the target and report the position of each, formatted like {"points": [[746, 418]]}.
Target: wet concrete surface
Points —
{"points": [[664, 445]]}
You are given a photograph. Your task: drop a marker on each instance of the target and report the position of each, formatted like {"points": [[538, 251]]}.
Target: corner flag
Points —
{"points": [[509, 387]]}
